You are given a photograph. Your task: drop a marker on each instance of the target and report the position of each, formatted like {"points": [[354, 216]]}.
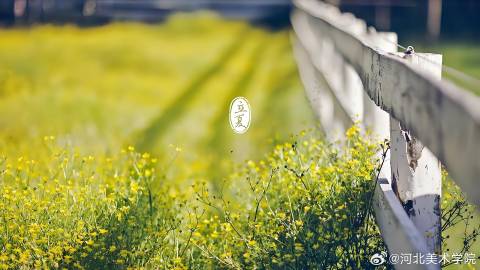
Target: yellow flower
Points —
{"points": [[134, 187], [123, 253]]}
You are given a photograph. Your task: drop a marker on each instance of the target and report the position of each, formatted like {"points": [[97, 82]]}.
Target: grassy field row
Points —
{"points": [[107, 87]]}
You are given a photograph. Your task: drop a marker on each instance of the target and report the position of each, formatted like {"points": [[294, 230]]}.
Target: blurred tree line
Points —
{"points": [[273, 13], [413, 19]]}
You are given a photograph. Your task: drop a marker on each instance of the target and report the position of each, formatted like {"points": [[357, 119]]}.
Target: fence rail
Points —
{"points": [[350, 73]]}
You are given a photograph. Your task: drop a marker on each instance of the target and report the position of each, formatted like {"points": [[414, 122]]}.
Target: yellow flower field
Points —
{"points": [[116, 153]]}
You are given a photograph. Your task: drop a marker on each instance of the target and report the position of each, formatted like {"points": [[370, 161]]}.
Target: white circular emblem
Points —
{"points": [[240, 115]]}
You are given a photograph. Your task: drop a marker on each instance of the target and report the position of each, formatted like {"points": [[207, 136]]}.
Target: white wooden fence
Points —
{"points": [[351, 73]]}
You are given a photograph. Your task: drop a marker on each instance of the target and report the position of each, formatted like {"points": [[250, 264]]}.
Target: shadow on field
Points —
{"points": [[148, 137], [217, 142]]}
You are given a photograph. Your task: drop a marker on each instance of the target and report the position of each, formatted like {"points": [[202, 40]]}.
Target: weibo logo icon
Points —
{"points": [[240, 115]]}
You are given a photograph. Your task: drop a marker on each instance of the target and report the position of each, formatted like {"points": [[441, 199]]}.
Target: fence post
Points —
{"points": [[416, 173], [374, 118]]}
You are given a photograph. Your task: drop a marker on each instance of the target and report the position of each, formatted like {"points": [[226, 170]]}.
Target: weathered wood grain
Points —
{"points": [[416, 172], [398, 232], [444, 117], [375, 118]]}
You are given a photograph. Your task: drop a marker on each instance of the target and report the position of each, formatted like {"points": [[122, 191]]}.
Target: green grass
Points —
{"points": [[462, 56]]}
